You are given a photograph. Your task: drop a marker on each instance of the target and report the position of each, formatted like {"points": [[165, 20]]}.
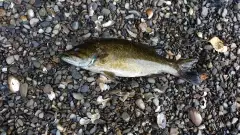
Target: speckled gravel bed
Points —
{"points": [[57, 98]]}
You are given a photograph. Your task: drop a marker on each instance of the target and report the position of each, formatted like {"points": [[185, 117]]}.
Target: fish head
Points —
{"points": [[78, 58]]}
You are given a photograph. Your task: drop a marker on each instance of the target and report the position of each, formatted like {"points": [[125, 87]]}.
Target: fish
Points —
{"points": [[124, 58]]}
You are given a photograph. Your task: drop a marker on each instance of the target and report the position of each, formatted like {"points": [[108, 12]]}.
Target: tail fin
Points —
{"points": [[190, 76]]}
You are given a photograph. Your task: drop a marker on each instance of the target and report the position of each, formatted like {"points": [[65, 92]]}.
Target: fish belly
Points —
{"points": [[134, 68]]}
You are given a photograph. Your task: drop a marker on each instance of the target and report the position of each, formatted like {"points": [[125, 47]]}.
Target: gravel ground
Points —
{"points": [[57, 98]]}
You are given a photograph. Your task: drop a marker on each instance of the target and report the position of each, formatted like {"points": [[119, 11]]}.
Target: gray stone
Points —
{"points": [[219, 26], [105, 11], [204, 11], [48, 30], [134, 84], [24, 89], [36, 64], [42, 12], [13, 69], [75, 25], [10, 60], [84, 88], [224, 13], [34, 21], [41, 115], [35, 43], [125, 116], [76, 74], [151, 80], [47, 88], [20, 122]]}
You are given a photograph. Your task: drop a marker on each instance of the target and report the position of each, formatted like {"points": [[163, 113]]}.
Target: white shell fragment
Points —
{"points": [[108, 23], [91, 11], [93, 117], [104, 87], [51, 95], [161, 120], [13, 84], [102, 101], [203, 103], [140, 104], [30, 13], [195, 116], [84, 121], [218, 44]]}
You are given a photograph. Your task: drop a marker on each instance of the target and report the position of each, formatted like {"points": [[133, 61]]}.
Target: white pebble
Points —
{"points": [[40, 31], [140, 104], [234, 120], [34, 21], [30, 13], [202, 127], [168, 2], [60, 128], [10, 60], [108, 23], [4, 69], [52, 95], [161, 120], [84, 121], [14, 84], [127, 5], [151, 80]]}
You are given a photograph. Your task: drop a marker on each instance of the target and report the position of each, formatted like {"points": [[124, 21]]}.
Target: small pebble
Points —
{"points": [[10, 60], [105, 11], [24, 89], [125, 116], [2, 12], [204, 11], [234, 120], [151, 80], [30, 13], [75, 25], [34, 21], [140, 104]]}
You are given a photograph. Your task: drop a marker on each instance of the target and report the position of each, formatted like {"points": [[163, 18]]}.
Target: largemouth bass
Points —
{"points": [[123, 58]]}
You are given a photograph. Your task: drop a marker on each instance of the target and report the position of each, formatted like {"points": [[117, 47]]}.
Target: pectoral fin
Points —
{"points": [[111, 76]]}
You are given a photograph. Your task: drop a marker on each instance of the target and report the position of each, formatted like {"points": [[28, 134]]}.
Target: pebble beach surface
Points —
{"points": [[40, 94]]}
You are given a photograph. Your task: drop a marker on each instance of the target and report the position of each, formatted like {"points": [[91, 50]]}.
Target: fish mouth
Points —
{"points": [[63, 55]]}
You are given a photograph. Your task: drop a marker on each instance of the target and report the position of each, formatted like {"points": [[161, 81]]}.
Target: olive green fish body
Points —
{"points": [[122, 58]]}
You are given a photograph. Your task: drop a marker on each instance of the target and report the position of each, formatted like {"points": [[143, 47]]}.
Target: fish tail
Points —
{"points": [[190, 76]]}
